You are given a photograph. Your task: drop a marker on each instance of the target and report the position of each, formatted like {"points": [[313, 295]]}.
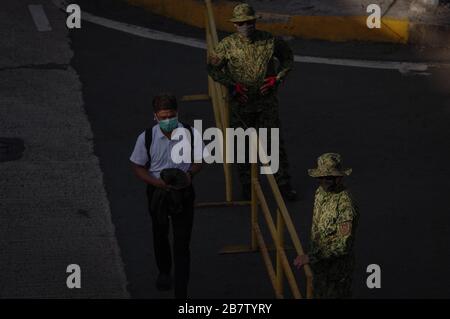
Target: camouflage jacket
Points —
{"points": [[334, 224], [240, 60]]}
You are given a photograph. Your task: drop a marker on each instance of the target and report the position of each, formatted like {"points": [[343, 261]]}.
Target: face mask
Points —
{"points": [[246, 29], [168, 125], [328, 185]]}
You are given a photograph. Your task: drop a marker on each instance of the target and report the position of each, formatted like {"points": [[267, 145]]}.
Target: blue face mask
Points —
{"points": [[169, 125]]}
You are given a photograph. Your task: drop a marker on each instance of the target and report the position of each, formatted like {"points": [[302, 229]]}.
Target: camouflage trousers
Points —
{"points": [[333, 280], [260, 113]]}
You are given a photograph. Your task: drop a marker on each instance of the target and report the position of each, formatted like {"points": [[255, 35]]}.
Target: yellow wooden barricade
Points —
{"points": [[218, 95]]}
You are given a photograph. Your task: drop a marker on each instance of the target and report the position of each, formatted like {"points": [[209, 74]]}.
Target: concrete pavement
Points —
{"points": [[53, 207], [425, 11], [402, 21]]}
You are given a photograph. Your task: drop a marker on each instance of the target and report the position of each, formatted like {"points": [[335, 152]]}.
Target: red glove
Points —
{"points": [[269, 83], [241, 91]]}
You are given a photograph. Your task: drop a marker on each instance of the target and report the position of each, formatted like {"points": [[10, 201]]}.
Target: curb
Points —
{"points": [[330, 28]]}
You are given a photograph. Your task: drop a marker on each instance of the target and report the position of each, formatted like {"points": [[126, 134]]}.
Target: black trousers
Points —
{"points": [[182, 229]]}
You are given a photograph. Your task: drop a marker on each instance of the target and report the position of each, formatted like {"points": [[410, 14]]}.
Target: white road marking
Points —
{"points": [[402, 67], [144, 32], [39, 17]]}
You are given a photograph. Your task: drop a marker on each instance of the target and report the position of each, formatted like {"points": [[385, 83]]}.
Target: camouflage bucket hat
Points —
{"points": [[329, 164], [243, 12]]}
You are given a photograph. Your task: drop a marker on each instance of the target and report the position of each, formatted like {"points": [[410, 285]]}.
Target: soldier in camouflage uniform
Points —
{"points": [[334, 224], [252, 64]]}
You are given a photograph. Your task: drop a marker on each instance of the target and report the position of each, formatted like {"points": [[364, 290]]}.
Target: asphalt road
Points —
{"points": [[392, 129]]}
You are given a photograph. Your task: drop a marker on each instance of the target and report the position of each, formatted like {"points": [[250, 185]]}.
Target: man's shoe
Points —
{"points": [[288, 192], [164, 282]]}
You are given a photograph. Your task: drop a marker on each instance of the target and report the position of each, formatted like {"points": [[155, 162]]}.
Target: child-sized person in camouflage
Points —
{"points": [[333, 230]]}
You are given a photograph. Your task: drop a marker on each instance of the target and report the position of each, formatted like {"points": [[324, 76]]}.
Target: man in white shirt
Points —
{"points": [[154, 152]]}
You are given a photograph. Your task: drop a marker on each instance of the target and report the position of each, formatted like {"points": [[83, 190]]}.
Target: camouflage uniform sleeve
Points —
{"points": [[217, 62], [341, 243], [284, 54]]}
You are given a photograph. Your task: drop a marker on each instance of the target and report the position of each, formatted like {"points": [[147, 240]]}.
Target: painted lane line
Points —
{"points": [[402, 67], [144, 32], [39, 17], [196, 43], [135, 30]]}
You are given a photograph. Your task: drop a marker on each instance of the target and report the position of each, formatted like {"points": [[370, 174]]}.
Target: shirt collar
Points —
{"points": [[252, 39], [338, 190]]}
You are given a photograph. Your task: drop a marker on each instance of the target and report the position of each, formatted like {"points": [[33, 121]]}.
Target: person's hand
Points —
{"points": [[269, 83], [301, 260], [161, 184], [241, 92]]}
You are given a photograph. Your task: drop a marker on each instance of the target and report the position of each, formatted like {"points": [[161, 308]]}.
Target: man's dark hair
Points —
{"points": [[164, 101]]}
